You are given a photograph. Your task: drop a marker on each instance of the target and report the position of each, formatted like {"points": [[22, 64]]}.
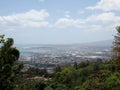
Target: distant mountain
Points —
{"points": [[47, 47], [105, 43]]}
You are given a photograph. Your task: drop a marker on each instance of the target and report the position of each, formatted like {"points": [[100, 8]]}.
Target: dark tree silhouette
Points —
{"points": [[9, 66], [116, 47]]}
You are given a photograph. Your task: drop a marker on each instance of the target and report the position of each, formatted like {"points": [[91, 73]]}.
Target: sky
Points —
{"points": [[59, 21]]}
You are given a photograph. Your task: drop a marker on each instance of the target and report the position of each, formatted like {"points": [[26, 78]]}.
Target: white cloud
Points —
{"points": [[107, 17], [107, 5], [32, 18], [64, 22], [69, 22], [38, 19], [104, 21], [93, 22]]}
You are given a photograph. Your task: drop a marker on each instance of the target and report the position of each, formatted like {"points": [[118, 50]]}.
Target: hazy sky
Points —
{"points": [[59, 21]]}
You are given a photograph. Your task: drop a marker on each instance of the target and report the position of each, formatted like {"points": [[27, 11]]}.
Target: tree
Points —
{"points": [[75, 65], [83, 64], [57, 68], [116, 50], [113, 82], [9, 66], [40, 85], [116, 47]]}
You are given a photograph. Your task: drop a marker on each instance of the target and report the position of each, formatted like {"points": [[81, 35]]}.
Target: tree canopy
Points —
{"points": [[9, 66]]}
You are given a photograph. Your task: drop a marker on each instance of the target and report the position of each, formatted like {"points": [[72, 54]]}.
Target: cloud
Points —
{"points": [[107, 20], [64, 22], [103, 21], [68, 22], [107, 5], [39, 19], [107, 17], [32, 18]]}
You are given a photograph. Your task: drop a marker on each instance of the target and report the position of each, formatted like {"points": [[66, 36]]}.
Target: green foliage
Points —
{"points": [[94, 75], [40, 85], [86, 77], [36, 72], [75, 65], [116, 47], [113, 82], [83, 64], [9, 67], [57, 68], [48, 88], [96, 81]]}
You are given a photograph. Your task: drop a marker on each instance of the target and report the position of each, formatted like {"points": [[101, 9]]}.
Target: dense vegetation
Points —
{"points": [[89, 75], [9, 66], [94, 75]]}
